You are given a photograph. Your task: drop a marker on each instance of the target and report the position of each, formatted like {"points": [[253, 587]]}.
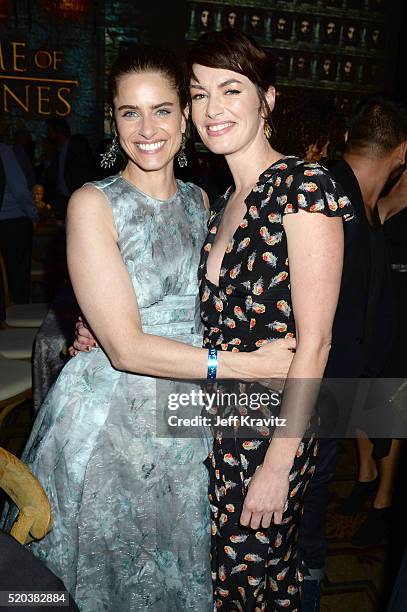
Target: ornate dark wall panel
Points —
{"points": [[346, 47], [49, 64]]}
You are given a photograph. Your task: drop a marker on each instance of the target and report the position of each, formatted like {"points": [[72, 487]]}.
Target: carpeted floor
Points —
{"points": [[357, 579]]}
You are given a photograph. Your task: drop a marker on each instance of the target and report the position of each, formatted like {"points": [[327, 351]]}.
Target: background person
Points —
{"points": [[365, 318], [17, 215], [70, 165], [24, 150], [308, 126]]}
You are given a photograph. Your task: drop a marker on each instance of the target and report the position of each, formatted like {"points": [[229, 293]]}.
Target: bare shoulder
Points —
{"points": [[89, 196], [89, 205], [88, 201]]}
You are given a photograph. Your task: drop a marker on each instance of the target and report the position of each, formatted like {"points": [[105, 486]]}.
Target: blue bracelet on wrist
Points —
{"points": [[212, 363]]}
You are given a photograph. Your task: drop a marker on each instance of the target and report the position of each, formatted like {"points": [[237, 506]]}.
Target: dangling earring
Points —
{"points": [[267, 130], [110, 155], [182, 157]]}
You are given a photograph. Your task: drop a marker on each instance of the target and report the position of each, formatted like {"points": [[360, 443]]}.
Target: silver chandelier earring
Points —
{"points": [[108, 158], [182, 157]]}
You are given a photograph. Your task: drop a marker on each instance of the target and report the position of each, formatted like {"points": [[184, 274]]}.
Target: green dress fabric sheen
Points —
{"points": [[131, 528]]}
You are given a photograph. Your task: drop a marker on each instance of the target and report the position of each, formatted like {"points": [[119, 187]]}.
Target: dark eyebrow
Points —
{"points": [[228, 82], [154, 107], [163, 104]]}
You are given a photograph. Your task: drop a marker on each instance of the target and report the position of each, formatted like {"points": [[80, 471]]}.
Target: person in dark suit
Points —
{"points": [[21, 571], [70, 166], [375, 150], [17, 216]]}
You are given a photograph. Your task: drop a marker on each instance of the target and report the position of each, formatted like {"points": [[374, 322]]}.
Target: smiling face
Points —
{"points": [[148, 119], [226, 109]]}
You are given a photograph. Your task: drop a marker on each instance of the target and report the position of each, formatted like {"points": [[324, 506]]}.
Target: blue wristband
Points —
{"points": [[212, 363]]}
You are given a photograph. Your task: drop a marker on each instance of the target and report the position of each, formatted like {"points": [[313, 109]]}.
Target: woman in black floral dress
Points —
{"points": [[250, 295]]}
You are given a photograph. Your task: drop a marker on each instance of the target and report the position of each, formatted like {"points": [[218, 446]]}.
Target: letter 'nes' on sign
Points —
{"points": [[31, 81]]}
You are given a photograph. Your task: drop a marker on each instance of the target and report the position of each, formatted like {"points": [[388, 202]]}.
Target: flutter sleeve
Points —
{"points": [[312, 188]]}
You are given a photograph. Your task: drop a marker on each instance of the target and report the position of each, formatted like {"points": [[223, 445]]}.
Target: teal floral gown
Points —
{"points": [[131, 517]]}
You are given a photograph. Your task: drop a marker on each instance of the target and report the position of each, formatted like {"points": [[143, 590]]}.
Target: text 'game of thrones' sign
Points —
{"points": [[33, 80]]}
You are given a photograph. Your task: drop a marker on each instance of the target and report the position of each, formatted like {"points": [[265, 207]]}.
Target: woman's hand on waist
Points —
{"points": [[84, 340], [271, 362]]}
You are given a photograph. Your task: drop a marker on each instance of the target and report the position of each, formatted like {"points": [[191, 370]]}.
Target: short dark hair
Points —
{"points": [[232, 50], [149, 58], [378, 127], [60, 125]]}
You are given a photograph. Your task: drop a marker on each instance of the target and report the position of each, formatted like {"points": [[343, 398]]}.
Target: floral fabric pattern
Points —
{"points": [[252, 304], [257, 571], [131, 519]]}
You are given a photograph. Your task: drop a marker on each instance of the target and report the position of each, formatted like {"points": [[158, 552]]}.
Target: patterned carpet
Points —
{"points": [[357, 579]]}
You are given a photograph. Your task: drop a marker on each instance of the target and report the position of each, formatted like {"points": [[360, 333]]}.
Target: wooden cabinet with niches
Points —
{"points": [[345, 47]]}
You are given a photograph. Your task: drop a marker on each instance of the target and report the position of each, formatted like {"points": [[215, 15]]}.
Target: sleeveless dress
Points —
{"points": [[131, 518]]}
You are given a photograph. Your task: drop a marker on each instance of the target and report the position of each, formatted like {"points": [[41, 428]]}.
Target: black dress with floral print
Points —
{"points": [[254, 571]]}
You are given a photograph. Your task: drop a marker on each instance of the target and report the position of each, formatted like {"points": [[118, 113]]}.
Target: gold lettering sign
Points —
{"points": [[29, 81]]}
